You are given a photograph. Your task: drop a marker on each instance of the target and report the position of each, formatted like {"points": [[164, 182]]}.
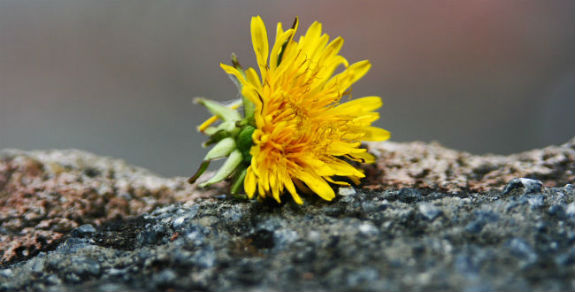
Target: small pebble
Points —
{"points": [[368, 229], [429, 211], [529, 185], [179, 222], [346, 191]]}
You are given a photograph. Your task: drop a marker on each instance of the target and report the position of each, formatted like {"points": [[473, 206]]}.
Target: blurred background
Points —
{"points": [[117, 78]]}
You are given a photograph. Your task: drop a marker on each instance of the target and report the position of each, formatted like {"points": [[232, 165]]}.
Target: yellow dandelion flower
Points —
{"points": [[303, 132]]}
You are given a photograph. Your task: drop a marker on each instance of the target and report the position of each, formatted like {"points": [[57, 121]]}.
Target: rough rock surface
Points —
{"points": [[433, 166], [73, 221], [46, 194]]}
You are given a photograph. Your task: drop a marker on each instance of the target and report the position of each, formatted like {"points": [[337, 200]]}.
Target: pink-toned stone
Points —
{"points": [[45, 194], [433, 166]]}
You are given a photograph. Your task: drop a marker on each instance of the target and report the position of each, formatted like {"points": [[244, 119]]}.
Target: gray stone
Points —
{"points": [[361, 277], [7, 273], [368, 229], [571, 210], [429, 211], [284, 237], [536, 201], [72, 245], [388, 240], [475, 226], [84, 230], [165, 278], [346, 191], [232, 214], [567, 258], [521, 249], [84, 266], [152, 235], [410, 195], [527, 185], [204, 258], [557, 211]]}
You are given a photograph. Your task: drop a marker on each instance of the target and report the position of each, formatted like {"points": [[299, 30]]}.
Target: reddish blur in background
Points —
{"points": [[118, 77]]}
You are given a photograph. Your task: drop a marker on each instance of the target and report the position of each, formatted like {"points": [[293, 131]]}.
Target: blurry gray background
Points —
{"points": [[118, 78]]}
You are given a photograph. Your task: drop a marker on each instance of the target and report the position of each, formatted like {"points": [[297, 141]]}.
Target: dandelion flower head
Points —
{"points": [[307, 129]]}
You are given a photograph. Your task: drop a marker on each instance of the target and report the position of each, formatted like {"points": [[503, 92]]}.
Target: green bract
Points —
{"points": [[231, 138]]}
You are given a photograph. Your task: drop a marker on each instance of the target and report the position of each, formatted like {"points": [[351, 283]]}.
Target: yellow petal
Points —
{"points": [[279, 47], [359, 70], [279, 30], [253, 78], [317, 185], [260, 43], [342, 168], [355, 180], [366, 119], [332, 49], [289, 185], [345, 79], [339, 148], [275, 186], [364, 157], [261, 191], [376, 134], [341, 183], [250, 183], [311, 36], [233, 71], [360, 105]]}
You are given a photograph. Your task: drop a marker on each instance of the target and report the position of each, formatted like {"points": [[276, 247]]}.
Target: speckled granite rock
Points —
{"points": [[46, 194], [433, 166], [436, 230]]}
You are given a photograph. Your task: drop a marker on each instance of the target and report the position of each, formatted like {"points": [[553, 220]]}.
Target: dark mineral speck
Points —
{"points": [[475, 226], [409, 195], [84, 230]]}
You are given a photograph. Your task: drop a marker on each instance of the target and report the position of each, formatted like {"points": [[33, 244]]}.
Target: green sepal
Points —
{"points": [[222, 149], [249, 108], [228, 168], [236, 63], [216, 137], [245, 142], [199, 172], [239, 182], [223, 112]]}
